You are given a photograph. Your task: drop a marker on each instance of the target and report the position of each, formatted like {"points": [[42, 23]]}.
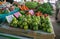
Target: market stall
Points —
{"points": [[28, 33], [30, 19]]}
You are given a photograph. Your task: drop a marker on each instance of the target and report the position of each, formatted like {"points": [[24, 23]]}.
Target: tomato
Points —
{"points": [[45, 15], [38, 13]]}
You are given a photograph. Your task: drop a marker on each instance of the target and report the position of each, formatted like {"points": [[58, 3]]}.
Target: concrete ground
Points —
{"points": [[56, 27]]}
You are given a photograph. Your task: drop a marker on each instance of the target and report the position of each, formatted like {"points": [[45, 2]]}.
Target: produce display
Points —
{"points": [[23, 7], [31, 5], [31, 16], [14, 22], [45, 8], [6, 8], [35, 22]]}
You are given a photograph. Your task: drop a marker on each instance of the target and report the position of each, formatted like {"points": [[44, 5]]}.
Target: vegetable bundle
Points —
{"points": [[31, 5], [45, 8]]}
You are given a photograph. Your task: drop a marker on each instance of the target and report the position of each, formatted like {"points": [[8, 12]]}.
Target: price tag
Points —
{"points": [[9, 18], [31, 12], [17, 14]]}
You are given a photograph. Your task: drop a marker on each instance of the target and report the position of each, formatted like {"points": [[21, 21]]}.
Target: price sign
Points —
{"points": [[9, 18], [17, 14]]}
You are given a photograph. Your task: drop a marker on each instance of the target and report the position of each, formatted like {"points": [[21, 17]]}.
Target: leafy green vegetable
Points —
{"points": [[31, 5], [45, 8], [22, 12]]}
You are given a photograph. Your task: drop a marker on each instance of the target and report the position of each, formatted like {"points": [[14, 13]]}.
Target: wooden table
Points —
{"points": [[34, 34]]}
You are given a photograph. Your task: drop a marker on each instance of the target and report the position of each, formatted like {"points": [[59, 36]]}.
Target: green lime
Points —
{"points": [[25, 27]]}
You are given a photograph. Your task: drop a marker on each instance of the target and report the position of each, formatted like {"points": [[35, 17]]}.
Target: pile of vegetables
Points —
{"points": [[30, 19], [35, 22], [31, 5], [6, 8], [23, 7], [45, 8]]}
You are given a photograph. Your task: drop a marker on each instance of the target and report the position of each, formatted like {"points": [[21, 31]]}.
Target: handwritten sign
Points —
{"points": [[9, 18], [17, 14], [31, 12]]}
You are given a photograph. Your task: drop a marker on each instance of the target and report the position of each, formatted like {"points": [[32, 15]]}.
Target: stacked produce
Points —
{"points": [[14, 22], [32, 5], [32, 22], [34, 16], [45, 8], [6, 8], [23, 7]]}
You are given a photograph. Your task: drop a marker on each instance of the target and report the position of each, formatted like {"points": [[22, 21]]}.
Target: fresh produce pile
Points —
{"points": [[30, 16], [32, 5], [32, 22], [6, 8], [45, 8]]}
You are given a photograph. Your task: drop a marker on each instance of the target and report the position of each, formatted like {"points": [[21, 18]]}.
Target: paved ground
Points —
{"points": [[56, 27]]}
